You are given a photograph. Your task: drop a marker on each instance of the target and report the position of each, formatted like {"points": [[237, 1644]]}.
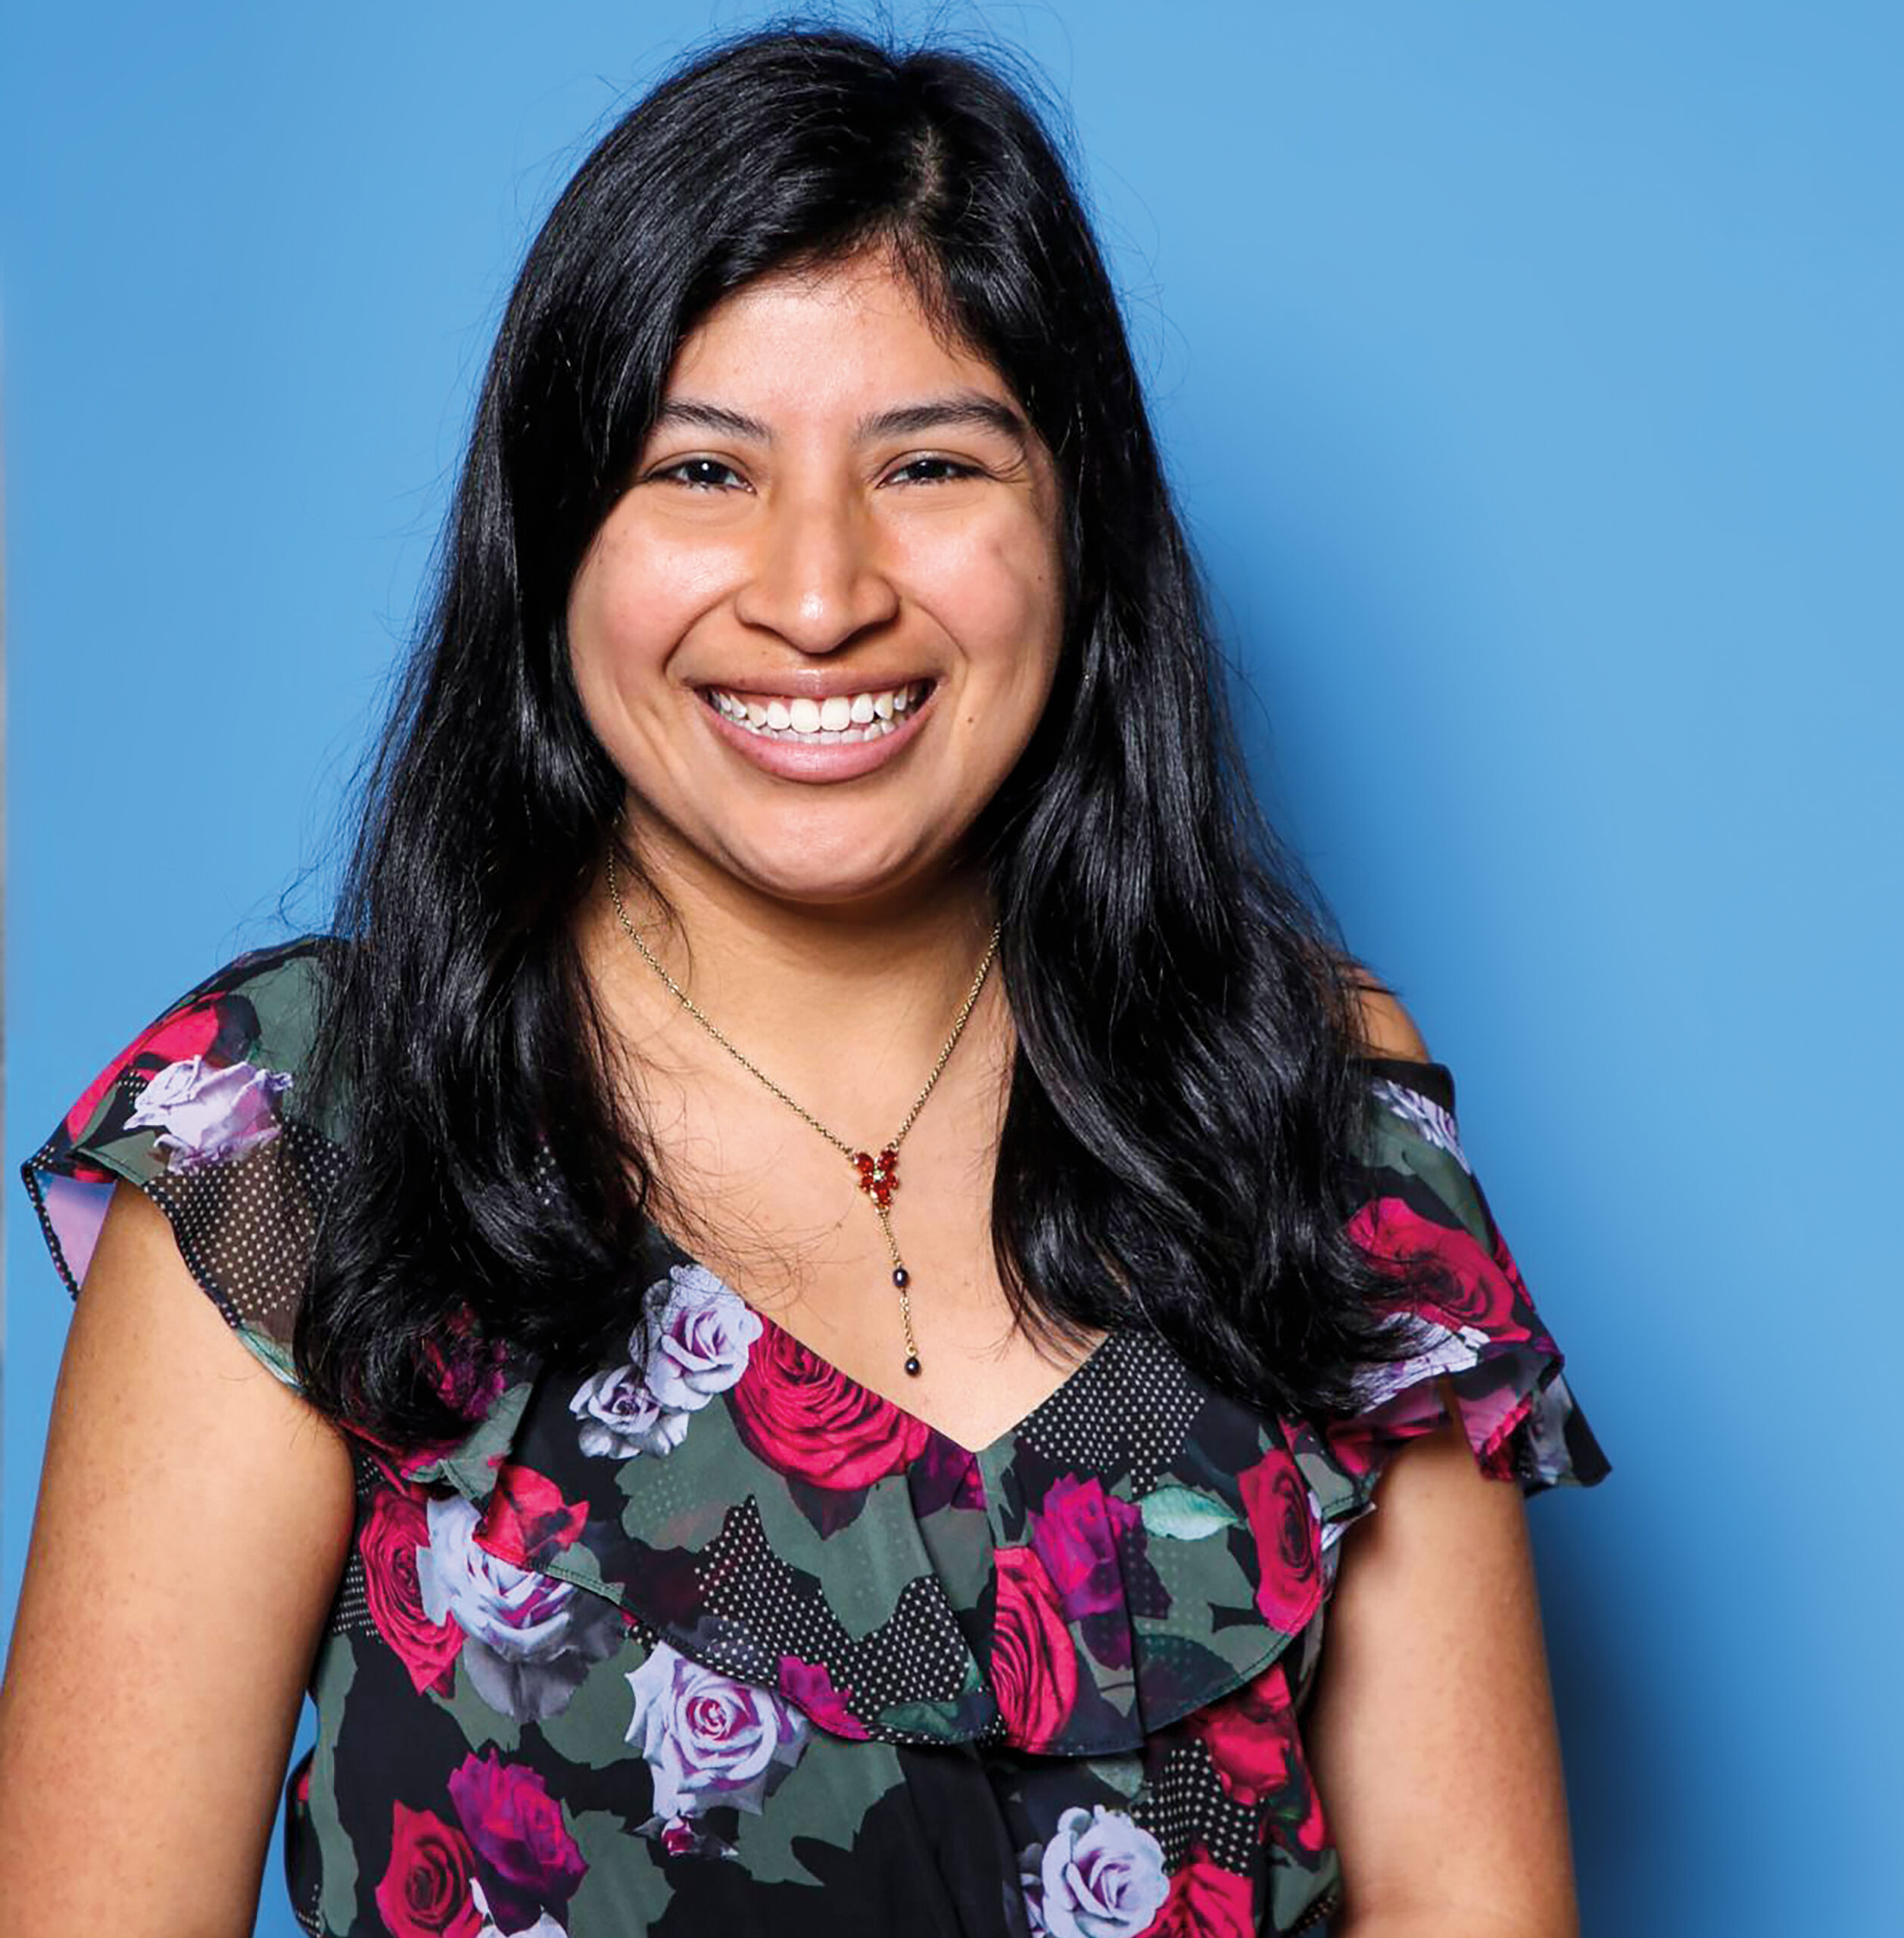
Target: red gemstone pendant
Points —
{"points": [[878, 1176]]}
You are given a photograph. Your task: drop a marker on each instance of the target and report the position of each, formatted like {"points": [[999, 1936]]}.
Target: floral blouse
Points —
{"points": [[715, 1639]]}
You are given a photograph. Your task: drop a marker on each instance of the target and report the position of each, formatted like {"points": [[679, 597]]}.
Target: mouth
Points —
{"points": [[870, 714]]}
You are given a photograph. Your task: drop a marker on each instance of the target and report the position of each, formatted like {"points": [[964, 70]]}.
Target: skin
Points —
{"points": [[143, 1611], [834, 925], [767, 540], [1431, 1731]]}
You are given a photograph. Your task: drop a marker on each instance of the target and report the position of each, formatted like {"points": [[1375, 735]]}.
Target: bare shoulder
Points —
{"points": [[1387, 1030]]}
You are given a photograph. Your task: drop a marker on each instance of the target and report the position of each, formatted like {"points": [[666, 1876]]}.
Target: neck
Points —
{"points": [[845, 1005]]}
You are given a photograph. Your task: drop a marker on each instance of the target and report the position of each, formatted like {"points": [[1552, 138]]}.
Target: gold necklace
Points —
{"points": [[879, 1174]]}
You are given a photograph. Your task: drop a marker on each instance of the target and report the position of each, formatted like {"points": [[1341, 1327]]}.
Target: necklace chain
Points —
{"points": [[878, 1176]]}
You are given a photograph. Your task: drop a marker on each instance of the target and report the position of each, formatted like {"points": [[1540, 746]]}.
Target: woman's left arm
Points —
{"points": [[1431, 1730]]}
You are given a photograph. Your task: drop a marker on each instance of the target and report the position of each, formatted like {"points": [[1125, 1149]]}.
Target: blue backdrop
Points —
{"points": [[1530, 377]]}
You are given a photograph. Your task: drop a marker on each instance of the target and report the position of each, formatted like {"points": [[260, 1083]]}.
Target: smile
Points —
{"points": [[870, 715]]}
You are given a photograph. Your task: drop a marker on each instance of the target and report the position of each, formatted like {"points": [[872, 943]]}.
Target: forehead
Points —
{"points": [[818, 341]]}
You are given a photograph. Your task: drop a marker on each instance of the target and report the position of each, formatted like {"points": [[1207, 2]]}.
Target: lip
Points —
{"points": [[837, 760]]}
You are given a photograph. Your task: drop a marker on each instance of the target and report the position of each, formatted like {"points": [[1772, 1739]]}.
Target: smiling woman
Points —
{"points": [[810, 943], [791, 578]]}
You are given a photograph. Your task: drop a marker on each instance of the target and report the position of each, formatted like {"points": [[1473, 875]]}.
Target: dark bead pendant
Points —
{"points": [[912, 1366], [901, 1277]]}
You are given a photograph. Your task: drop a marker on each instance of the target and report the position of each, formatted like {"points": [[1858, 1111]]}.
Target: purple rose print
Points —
{"points": [[1100, 1876], [692, 1344], [530, 1640], [699, 1336], [527, 1859], [1076, 1533], [707, 1740], [1442, 1350], [1423, 1113], [206, 1113], [619, 1415]]}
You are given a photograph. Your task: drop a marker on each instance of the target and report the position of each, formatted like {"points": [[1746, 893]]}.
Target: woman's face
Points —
{"points": [[818, 628]]}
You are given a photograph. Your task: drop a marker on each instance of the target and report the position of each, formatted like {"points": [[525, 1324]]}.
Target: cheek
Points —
{"points": [[627, 610], [998, 592]]}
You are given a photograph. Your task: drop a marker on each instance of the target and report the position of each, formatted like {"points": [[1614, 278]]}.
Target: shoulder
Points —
{"points": [[1384, 1028], [205, 1111], [253, 1019]]}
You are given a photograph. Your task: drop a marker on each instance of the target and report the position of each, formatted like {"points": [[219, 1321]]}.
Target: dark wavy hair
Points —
{"points": [[1178, 1149]]}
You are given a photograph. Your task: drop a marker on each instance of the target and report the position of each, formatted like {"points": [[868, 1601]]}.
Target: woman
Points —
{"points": [[839, 1240]]}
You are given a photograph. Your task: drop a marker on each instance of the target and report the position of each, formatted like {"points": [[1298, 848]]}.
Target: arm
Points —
{"points": [[195, 1516], [1431, 1730]]}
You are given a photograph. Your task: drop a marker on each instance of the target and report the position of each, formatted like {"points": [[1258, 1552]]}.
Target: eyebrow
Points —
{"points": [[961, 407]]}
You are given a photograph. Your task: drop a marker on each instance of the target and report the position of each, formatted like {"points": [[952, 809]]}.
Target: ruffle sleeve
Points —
{"points": [[1425, 1219], [202, 1112]]}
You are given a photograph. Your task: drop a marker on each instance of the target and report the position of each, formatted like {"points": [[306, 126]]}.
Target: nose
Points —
{"points": [[815, 578]]}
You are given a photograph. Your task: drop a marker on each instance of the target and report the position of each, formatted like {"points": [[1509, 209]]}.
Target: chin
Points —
{"points": [[806, 877]]}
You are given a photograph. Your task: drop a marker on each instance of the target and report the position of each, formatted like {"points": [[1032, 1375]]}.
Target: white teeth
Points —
{"points": [[862, 716]]}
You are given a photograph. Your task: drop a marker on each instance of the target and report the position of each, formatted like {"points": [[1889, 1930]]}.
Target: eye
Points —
{"points": [[700, 467], [949, 468]]}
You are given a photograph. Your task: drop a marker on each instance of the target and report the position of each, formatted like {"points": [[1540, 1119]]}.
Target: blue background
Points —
{"points": [[1530, 377]]}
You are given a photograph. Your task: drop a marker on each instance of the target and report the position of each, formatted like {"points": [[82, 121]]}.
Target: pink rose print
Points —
{"points": [[1206, 1902], [1523, 1303], [469, 1372], [189, 1031], [808, 1419], [1034, 1663], [424, 1892], [1355, 1444], [1452, 1279], [810, 1686], [387, 1543], [527, 1861], [1251, 1737], [1309, 1835], [528, 1519], [205, 1115], [1284, 1519], [1076, 1534], [706, 1739]]}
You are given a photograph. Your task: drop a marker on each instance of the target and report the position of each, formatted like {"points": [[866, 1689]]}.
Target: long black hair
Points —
{"points": [[1176, 1151]]}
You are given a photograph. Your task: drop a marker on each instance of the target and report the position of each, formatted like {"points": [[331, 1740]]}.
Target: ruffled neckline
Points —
{"points": [[1133, 1548]]}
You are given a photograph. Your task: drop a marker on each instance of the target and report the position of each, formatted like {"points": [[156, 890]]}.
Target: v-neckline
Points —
{"points": [[1380, 1064], [859, 1387]]}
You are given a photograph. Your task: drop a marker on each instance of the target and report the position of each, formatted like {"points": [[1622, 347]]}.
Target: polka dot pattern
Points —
{"points": [[758, 1610], [1123, 1414], [1184, 1803], [245, 1228]]}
